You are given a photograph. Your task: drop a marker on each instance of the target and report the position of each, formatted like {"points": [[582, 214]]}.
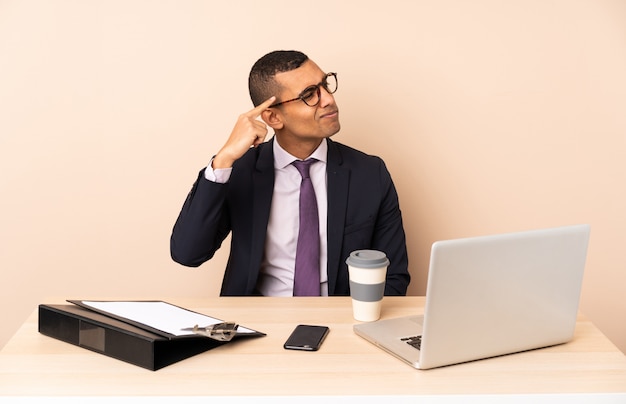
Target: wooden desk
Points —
{"points": [[35, 365]]}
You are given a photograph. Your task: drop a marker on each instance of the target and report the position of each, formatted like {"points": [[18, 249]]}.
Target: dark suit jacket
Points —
{"points": [[363, 213]]}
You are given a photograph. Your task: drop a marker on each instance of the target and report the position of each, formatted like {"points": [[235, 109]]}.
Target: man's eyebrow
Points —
{"points": [[319, 82]]}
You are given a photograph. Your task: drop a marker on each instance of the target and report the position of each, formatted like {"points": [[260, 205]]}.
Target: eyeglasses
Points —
{"points": [[311, 95]]}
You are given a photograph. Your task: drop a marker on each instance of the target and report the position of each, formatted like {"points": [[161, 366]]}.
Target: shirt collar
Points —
{"points": [[282, 158]]}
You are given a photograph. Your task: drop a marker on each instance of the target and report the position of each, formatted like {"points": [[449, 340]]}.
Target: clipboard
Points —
{"points": [[162, 318]]}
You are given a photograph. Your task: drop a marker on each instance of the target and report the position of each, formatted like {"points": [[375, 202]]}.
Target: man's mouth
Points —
{"points": [[330, 114]]}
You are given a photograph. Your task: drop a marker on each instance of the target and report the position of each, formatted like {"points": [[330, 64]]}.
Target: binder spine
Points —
{"points": [[96, 337]]}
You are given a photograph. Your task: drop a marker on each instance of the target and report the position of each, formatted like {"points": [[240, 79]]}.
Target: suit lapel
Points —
{"points": [[263, 187], [338, 181]]}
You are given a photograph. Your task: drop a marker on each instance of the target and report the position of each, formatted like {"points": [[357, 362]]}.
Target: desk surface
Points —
{"points": [[33, 364]]}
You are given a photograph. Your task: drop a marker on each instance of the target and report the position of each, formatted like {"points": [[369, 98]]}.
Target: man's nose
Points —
{"points": [[326, 98]]}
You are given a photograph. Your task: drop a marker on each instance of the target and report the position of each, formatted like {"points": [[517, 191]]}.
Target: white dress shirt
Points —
{"points": [[277, 268]]}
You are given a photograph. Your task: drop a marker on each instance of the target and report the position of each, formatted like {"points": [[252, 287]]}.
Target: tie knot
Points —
{"points": [[303, 166]]}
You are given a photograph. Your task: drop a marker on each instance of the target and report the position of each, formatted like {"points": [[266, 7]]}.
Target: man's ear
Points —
{"points": [[273, 118]]}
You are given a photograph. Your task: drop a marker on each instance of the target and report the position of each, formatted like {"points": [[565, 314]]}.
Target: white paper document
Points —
{"points": [[158, 315]]}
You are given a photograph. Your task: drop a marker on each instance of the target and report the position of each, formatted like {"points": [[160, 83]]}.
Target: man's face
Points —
{"points": [[300, 121]]}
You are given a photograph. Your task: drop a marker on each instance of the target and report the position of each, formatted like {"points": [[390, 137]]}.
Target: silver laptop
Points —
{"points": [[489, 296]]}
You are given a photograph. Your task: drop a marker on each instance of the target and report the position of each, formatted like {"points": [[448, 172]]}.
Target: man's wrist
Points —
{"points": [[218, 164], [221, 161]]}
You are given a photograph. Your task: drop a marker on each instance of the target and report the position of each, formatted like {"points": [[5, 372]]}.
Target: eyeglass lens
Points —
{"points": [[311, 95]]}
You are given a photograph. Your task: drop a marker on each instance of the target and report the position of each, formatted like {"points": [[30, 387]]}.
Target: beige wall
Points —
{"points": [[493, 116]]}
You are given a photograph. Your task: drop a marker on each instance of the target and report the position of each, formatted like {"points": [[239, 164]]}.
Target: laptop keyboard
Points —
{"points": [[415, 342]]}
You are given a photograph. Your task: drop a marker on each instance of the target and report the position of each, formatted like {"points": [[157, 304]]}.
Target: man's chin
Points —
{"points": [[335, 130]]}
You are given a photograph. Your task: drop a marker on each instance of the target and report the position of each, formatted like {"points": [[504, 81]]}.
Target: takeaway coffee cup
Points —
{"points": [[367, 270]]}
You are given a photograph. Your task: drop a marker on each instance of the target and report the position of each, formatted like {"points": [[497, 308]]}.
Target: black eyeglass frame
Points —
{"points": [[323, 83]]}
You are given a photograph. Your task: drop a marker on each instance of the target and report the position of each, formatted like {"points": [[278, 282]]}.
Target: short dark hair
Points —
{"points": [[261, 82]]}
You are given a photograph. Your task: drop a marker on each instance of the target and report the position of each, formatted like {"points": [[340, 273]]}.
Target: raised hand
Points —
{"points": [[248, 132]]}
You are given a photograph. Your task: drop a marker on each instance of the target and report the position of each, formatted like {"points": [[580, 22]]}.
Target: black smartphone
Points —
{"points": [[306, 337]]}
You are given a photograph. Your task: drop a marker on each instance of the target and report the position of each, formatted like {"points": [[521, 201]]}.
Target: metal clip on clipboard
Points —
{"points": [[220, 331]]}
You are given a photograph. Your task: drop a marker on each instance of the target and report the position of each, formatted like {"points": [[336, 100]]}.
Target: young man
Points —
{"points": [[255, 189]]}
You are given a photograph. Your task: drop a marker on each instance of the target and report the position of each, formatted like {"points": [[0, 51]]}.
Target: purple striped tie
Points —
{"points": [[307, 270]]}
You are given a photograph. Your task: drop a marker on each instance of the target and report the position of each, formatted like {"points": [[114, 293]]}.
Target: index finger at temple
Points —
{"points": [[255, 112]]}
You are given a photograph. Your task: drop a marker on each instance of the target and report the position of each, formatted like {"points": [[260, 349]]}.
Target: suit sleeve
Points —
{"points": [[202, 225], [389, 236]]}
